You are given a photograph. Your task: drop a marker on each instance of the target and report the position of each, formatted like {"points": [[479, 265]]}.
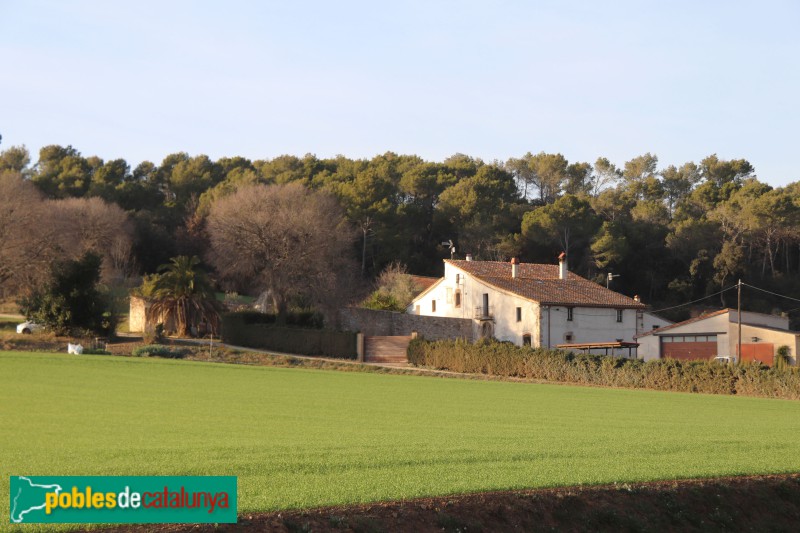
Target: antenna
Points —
{"points": [[449, 244]]}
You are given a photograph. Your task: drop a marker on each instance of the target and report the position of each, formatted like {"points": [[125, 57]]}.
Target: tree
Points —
{"points": [[567, 225], [394, 289], [182, 293], [285, 239], [641, 177], [477, 209], [606, 175], [16, 159], [62, 172], [92, 224], [26, 233], [547, 173], [679, 182], [71, 299]]}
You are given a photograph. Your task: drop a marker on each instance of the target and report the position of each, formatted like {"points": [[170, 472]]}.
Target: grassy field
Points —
{"points": [[303, 438]]}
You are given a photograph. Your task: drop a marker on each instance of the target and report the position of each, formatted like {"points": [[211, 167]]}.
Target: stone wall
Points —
{"points": [[388, 323], [137, 318]]}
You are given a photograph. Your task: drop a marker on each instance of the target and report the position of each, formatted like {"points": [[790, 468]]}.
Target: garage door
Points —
{"points": [[762, 352], [689, 347]]}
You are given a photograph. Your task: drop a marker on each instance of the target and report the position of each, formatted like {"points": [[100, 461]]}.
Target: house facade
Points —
{"points": [[717, 334], [536, 304]]}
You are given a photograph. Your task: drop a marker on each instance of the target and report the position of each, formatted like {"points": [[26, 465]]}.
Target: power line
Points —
{"points": [[770, 292], [694, 301]]}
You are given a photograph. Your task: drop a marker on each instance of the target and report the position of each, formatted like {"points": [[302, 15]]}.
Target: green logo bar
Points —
{"points": [[122, 499]]}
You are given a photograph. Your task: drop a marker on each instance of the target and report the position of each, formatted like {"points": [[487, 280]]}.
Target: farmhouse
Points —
{"points": [[534, 304], [716, 334]]}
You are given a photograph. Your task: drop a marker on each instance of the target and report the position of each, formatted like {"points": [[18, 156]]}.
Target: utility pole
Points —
{"points": [[739, 320]]}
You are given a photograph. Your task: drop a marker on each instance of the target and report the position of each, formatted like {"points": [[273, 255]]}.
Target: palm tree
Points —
{"points": [[183, 293]]}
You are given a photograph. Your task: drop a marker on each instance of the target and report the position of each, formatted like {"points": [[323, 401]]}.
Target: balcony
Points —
{"points": [[482, 313]]}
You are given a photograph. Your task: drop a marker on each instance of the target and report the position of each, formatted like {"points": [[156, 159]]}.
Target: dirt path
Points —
{"points": [[756, 503]]}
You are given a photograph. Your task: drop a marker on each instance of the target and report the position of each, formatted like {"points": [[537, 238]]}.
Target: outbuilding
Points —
{"points": [[716, 334]]}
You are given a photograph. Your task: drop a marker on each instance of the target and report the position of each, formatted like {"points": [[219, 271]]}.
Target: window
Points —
{"points": [[458, 298], [568, 337], [519, 314], [619, 315], [458, 278], [526, 339], [569, 313], [433, 306]]}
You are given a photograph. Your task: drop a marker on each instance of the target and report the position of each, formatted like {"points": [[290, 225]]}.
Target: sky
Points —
{"points": [[140, 79]]}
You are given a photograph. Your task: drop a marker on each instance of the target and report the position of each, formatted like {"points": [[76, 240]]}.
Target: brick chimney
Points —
{"points": [[562, 266], [514, 267]]}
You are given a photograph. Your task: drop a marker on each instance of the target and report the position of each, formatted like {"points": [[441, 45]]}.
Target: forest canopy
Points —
{"points": [[673, 233]]}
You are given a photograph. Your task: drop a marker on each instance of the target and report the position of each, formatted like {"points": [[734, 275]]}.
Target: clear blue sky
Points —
{"points": [[493, 79]]}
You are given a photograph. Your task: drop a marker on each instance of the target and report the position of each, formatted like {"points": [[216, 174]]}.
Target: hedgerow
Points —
{"points": [[507, 359]]}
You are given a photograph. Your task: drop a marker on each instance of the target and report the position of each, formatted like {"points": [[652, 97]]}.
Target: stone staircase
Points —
{"points": [[386, 350]]}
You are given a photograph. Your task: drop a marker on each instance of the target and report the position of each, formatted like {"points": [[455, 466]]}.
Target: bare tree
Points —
{"points": [[92, 224], [285, 239], [26, 230]]}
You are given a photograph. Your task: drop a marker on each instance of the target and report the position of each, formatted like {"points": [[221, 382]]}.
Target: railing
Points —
{"points": [[484, 314]]}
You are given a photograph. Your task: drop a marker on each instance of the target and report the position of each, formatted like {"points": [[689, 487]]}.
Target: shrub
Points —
{"points": [[158, 350], [154, 334], [95, 351], [506, 359], [782, 359]]}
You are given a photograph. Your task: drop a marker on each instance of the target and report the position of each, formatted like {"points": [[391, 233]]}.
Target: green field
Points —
{"points": [[302, 438]]}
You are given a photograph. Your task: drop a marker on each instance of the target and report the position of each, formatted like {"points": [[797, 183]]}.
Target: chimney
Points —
{"points": [[514, 267], [562, 266], [469, 257]]}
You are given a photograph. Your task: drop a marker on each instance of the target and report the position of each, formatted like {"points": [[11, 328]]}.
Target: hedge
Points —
{"points": [[247, 329], [159, 350], [506, 359]]}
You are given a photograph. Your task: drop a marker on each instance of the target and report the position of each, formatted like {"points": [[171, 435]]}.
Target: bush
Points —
{"points": [[95, 351], [154, 334], [71, 299], [506, 359], [254, 330], [158, 350], [782, 359]]}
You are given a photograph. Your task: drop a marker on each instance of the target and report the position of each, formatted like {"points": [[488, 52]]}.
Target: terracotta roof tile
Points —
{"points": [[423, 283], [541, 283]]}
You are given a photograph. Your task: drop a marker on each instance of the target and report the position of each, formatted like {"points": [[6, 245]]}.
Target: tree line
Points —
{"points": [[672, 233]]}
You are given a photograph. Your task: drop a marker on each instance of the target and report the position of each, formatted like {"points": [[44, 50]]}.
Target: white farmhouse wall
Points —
{"points": [[588, 324], [649, 348], [649, 322]]}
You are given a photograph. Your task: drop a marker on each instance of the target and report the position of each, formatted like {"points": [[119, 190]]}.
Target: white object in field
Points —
{"points": [[75, 348]]}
